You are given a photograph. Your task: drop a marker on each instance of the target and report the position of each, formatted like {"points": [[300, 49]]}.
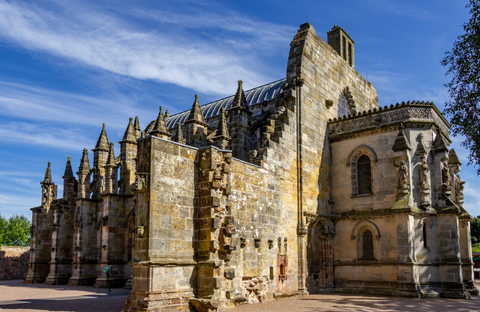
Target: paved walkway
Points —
{"points": [[16, 296]]}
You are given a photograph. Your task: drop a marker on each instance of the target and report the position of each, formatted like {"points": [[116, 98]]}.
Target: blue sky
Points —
{"points": [[67, 67]]}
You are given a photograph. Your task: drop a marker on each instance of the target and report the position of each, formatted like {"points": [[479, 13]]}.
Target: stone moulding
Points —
{"points": [[365, 223], [388, 119]]}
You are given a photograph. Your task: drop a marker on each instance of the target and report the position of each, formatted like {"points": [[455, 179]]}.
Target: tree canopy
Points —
{"points": [[15, 231], [464, 66]]}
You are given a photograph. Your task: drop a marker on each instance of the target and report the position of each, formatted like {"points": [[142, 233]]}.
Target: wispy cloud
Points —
{"points": [[102, 41], [39, 104], [42, 135], [403, 9]]}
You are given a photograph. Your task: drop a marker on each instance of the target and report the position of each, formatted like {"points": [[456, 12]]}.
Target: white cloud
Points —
{"points": [[45, 136], [104, 42]]}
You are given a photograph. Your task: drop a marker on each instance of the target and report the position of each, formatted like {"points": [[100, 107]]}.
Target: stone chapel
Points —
{"points": [[303, 185]]}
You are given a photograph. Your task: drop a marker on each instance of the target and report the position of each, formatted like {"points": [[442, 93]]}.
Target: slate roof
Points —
{"points": [[254, 96]]}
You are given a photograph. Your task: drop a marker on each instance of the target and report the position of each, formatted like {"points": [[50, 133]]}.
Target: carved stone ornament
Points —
{"points": [[459, 190], [140, 231], [424, 185], [446, 178], [141, 182], [403, 184]]}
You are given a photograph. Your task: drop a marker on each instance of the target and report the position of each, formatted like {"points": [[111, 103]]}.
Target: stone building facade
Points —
{"points": [[303, 185]]}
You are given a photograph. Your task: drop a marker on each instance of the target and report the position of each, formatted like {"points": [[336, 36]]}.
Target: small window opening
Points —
{"points": [[367, 245], [364, 175], [424, 235], [344, 48], [350, 59]]}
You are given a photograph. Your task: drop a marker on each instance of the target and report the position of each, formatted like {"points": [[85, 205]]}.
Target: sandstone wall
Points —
{"points": [[13, 262], [326, 76]]}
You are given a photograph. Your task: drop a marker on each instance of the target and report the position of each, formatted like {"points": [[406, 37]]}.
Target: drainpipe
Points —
{"points": [[301, 230]]}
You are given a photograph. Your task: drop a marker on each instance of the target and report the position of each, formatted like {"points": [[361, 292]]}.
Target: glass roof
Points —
{"points": [[254, 96]]}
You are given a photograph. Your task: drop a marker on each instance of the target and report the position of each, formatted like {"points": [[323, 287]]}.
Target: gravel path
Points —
{"points": [[16, 296]]}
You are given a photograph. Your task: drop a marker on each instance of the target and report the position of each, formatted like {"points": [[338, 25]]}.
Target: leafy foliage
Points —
{"points": [[464, 65], [475, 230], [476, 248], [15, 231]]}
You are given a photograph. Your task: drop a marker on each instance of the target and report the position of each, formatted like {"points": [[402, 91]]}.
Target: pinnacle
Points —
{"points": [[130, 132], [102, 142], [453, 158], [68, 169], [222, 129], [137, 124], [179, 135], [111, 156], [439, 144], [160, 127], [84, 163], [401, 142], [239, 100], [48, 174], [196, 112]]}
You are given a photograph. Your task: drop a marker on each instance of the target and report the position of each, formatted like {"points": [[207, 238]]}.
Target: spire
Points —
{"points": [[102, 142], [111, 156], [179, 135], [239, 100], [160, 128], [84, 163], [439, 144], [196, 112], [68, 169], [167, 114], [401, 142], [453, 158], [129, 135], [48, 174]]}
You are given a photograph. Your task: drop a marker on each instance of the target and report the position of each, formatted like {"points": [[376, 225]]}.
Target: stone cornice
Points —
{"points": [[386, 119]]}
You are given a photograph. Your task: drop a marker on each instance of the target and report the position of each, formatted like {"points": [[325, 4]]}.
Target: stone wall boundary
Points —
{"points": [[13, 262]]}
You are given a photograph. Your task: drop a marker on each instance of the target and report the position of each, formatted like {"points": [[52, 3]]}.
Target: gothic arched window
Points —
{"points": [[364, 175], [367, 245]]}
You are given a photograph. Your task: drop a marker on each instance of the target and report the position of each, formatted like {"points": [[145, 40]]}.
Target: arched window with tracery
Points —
{"points": [[367, 245], [364, 175]]}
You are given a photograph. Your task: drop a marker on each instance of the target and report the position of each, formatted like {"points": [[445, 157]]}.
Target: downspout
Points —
{"points": [[301, 230]]}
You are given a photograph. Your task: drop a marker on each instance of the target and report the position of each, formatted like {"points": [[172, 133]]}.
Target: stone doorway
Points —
{"points": [[320, 256]]}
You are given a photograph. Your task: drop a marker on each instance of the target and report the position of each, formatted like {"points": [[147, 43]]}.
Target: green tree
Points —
{"points": [[15, 231], [3, 227], [475, 230], [464, 65]]}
